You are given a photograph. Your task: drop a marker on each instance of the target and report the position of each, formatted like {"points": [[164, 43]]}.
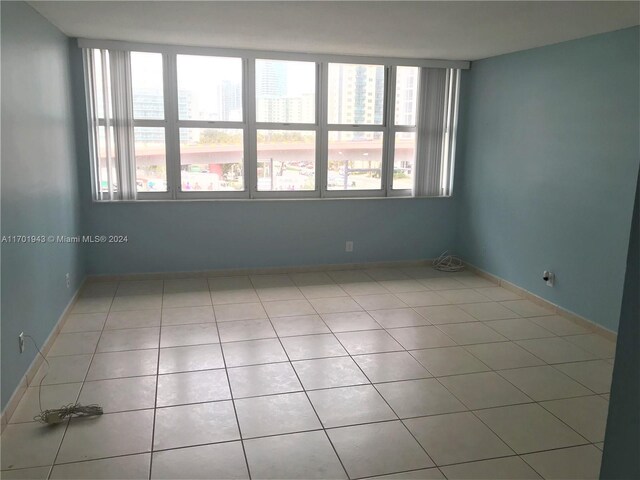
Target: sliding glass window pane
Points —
{"points": [[286, 160], [404, 160], [406, 95], [151, 159], [209, 88], [211, 159], [356, 94], [147, 86], [355, 161], [104, 161], [285, 91]]}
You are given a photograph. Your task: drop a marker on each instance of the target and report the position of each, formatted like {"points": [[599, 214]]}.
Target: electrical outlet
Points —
{"points": [[549, 277], [21, 341], [67, 279], [349, 246]]}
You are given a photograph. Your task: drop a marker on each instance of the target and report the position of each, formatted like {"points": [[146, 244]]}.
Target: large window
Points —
{"points": [[167, 123]]}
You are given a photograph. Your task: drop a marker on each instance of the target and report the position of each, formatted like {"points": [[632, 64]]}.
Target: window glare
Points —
{"points": [[406, 95], [404, 160], [355, 161], [209, 88], [356, 94], [285, 91], [147, 85]]}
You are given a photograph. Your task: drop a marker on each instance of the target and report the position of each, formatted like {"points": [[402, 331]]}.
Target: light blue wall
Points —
{"points": [[39, 184], [209, 235], [548, 158], [183, 236]]}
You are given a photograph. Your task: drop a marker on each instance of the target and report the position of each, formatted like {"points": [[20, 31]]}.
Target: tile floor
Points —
{"points": [[390, 373]]}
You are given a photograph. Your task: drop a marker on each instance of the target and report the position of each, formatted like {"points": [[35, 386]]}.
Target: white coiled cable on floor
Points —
{"points": [[448, 263]]}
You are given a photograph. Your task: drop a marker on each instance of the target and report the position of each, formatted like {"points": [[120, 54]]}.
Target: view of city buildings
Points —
{"points": [[285, 93]]}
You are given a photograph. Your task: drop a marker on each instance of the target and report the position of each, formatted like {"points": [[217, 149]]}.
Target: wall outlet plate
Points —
{"points": [[348, 246], [21, 341]]}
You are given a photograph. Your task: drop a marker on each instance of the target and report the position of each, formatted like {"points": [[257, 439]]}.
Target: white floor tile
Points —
{"points": [[377, 449], [129, 339], [422, 299], [462, 296], [313, 346], [487, 311], [186, 299], [580, 463], [559, 325], [120, 394], [84, 322], [508, 468], [92, 305], [595, 375], [415, 398], [30, 445], [456, 438], [191, 334], [498, 294], [519, 329], [440, 314], [544, 383], [243, 330], [350, 321], [586, 415], [299, 325], [279, 294], [263, 380], [123, 364], [240, 311], [470, 333], [503, 355], [306, 455], [131, 467], [140, 287], [253, 352], [191, 358], [276, 415], [363, 288], [322, 291], [368, 341], [68, 369], [389, 367], [288, 308], [400, 286], [483, 390], [186, 315], [555, 350], [108, 435], [399, 317], [136, 302], [413, 338], [526, 308], [594, 343], [335, 305], [379, 301], [223, 461], [221, 284], [186, 285], [329, 372], [529, 428], [338, 407], [196, 424], [449, 361], [192, 387], [133, 319], [225, 297], [74, 344]]}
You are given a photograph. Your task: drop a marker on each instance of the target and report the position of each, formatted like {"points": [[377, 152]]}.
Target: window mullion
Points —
{"points": [[322, 151], [251, 149], [389, 135], [172, 134]]}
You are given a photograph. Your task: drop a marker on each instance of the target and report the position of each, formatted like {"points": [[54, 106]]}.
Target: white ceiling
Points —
{"points": [[435, 30]]}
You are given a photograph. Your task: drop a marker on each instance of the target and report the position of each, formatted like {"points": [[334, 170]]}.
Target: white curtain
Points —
{"points": [[108, 93], [437, 109]]}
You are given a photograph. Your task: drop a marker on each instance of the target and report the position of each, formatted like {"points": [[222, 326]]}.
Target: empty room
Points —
{"points": [[320, 240]]}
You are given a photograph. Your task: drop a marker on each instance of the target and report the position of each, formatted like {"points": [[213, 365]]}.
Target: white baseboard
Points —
{"points": [[563, 312], [35, 365], [259, 271]]}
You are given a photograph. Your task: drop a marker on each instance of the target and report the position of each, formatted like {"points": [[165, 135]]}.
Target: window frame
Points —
{"points": [[250, 126]]}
